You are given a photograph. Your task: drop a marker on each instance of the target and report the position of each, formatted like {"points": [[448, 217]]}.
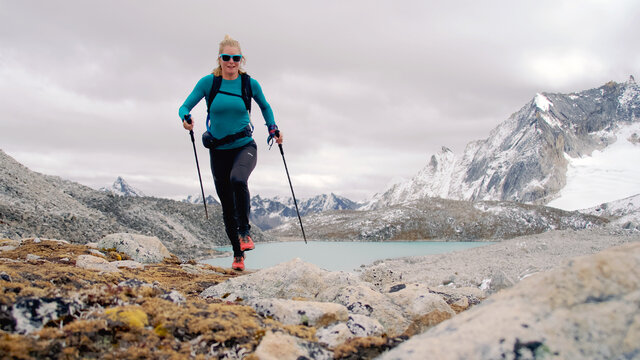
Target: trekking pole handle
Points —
{"points": [[277, 133], [187, 118]]}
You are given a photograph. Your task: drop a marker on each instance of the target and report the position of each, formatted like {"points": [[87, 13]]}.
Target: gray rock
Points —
{"points": [[334, 335], [91, 262], [135, 283], [130, 264], [279, 346], [141, 248], [587, 309], [175, 297], [97, 252], [32, 257]]}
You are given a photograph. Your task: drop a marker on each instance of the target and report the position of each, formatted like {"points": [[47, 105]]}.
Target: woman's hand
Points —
{"points": [[279, 137], [186, 125]]}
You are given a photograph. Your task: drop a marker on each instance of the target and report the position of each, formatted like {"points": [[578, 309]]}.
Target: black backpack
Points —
{"points": [[246, 96], [207, 139]]}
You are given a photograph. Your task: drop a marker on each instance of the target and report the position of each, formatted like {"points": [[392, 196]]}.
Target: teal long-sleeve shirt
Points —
{"points": [[228, 113]]}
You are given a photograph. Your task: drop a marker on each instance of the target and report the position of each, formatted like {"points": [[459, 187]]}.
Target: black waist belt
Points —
{"points": [[211, 143]]}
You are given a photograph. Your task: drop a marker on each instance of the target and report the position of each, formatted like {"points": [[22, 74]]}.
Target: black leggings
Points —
{"points": [[231, 169]]}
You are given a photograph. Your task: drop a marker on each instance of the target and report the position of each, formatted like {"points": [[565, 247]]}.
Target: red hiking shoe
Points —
{"points": [[238, 263], [246, 243]]}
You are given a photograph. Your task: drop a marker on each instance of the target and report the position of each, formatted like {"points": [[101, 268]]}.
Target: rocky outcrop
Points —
{"points": [[441, 219], [308, 289], [587, 309]]}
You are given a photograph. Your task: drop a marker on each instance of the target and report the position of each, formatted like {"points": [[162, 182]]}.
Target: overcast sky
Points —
{"points": [[364, 91]]}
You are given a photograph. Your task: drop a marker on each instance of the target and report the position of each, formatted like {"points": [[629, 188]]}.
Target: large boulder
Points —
{"points": [[586, 309], [141, 248]]}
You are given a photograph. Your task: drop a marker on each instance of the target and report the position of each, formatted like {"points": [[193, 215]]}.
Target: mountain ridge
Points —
{"points": [[38, 205], [524, 158]]}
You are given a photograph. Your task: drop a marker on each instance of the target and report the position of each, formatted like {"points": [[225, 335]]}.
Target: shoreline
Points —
{"points": [[502, 264]]}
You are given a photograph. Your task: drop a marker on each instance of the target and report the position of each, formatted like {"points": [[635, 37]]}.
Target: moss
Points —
{"points": [[131, 316]]}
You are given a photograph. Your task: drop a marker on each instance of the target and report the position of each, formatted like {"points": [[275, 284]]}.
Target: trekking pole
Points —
{"points": [[291, 186], [187, 118]]}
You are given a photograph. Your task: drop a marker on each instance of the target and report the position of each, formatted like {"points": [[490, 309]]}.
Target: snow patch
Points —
{"points": [[542, 102], [604, 176]]}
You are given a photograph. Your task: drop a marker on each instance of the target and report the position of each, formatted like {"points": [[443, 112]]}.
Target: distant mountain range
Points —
{"points": [[197, 199], [122, 188], [525, 158], [266, 213]]}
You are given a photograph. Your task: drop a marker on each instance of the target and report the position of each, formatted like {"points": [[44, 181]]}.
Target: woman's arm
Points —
{"points": [[199, 91], [258, 96]]}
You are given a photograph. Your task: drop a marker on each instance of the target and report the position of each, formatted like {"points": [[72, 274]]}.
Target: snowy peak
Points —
{"points": [[542, 102], [326, 202], [197, 199], [268, 213], [526, 157], [122, 188]]}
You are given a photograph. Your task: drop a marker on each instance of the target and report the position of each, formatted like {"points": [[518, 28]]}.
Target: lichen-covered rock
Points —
{"points": [[587, 309], [297, 279], [361, 299], [141, 248], [31, 314], [356, 326], [292, 312]]}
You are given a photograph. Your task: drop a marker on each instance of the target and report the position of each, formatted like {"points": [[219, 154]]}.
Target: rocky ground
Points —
{"points": [[439, 219], [557, 295]]}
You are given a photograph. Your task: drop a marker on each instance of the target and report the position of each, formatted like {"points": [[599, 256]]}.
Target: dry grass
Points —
{"points": [[125, 322]]}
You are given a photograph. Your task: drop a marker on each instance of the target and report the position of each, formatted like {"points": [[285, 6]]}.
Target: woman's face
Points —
{"points": [[230, 67]]}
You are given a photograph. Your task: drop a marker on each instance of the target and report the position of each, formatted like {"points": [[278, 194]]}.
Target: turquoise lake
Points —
{"points": [[338, 255]]}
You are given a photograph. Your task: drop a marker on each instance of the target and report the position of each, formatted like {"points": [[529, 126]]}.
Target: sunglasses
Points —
{"points": [[227, 57]]}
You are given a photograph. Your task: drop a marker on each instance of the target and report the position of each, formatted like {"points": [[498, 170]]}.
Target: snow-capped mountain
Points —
{"points": [[122, 188], [197, 199], [527, 157], [271, 212]]}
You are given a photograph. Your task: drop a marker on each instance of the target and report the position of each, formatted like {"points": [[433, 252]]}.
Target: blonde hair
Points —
{"points": [[229, 41]]}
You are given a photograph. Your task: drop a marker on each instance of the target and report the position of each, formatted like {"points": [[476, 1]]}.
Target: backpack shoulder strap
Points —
{"points": [[215, 87], [247, 93]]}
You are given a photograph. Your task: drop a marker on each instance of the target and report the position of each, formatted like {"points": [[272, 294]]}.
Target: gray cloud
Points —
{"points": [[364, 91]]}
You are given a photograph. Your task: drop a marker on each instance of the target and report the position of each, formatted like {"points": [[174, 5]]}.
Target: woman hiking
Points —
{"points": [[232, 150]]}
